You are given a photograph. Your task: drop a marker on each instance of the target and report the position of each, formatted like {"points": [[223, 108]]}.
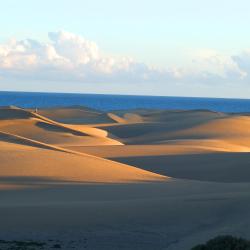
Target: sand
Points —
{"points": [[133, 179]]}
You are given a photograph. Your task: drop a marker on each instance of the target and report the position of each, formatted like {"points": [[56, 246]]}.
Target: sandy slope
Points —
{"points": [[37, 127], [55, 166], [134, 179]]}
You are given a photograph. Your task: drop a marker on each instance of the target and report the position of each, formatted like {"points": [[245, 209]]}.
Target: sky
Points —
{"points": [[149, 47]]}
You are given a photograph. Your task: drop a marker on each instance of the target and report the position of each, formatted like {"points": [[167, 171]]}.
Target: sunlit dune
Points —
{"points": [[65, 166]]}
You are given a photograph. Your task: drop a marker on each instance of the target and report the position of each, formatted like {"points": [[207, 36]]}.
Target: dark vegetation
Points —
{"points": [[226, 242], [26, 245], [21, 245]]}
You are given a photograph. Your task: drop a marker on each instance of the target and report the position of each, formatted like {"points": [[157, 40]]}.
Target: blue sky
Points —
{"points": [[192, 47]]}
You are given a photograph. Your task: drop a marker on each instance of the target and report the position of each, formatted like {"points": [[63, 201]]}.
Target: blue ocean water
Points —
{"points": [[117, 102]]}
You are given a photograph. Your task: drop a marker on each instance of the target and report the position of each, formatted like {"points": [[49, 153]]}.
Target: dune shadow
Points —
{"points": [[55, 128], [22, 141], [217, 167], [11, 114], [36, 181], [138, 131], [32, 180]]}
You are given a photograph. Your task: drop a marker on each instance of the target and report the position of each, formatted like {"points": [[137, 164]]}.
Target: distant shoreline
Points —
{"points": [[121, 102], [127, 95]]}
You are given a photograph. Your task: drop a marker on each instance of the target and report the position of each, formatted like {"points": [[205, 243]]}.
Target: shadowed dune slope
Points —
{"points": [[147, 115], [216, 167], [76, 115]]}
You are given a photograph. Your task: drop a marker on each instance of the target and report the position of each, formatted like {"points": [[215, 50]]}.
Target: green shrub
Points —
{"points": [[226, 242]]}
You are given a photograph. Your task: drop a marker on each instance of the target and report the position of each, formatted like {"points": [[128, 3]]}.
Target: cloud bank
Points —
{"points": [[69, 57]]}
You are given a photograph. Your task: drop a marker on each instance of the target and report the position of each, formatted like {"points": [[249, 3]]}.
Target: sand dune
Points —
{"points": [[55, 167], [225, 128], [128, 179], [49, 160], [37, 127], [145, 115], [126, 118], [76, 115]]}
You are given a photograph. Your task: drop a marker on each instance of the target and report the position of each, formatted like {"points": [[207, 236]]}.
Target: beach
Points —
{"points": [[124, 179]]}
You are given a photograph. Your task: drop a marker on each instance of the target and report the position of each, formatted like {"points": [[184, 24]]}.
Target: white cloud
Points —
{"points": [[243, 62], [69, 57], [75, 48], [213, 67]]}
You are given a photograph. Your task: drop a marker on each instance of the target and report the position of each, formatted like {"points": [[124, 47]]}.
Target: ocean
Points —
{"points": [[119, 102]]}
